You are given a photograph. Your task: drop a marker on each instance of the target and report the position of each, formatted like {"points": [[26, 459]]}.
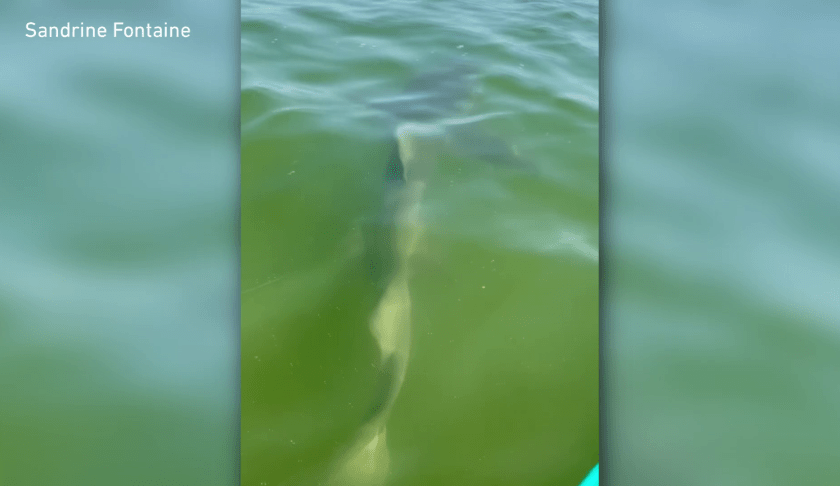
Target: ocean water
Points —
{"points": [[119, 283], [720, 229], [501, 383]]}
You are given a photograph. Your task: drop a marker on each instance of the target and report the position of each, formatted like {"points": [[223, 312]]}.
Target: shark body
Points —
{"points": [[422, 118]]}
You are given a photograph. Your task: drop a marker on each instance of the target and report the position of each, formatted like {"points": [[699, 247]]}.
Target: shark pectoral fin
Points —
{"points": [[471, 142]]}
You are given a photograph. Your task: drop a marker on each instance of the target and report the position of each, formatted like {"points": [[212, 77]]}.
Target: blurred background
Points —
{"points": [[720, 236], [119, 269]]}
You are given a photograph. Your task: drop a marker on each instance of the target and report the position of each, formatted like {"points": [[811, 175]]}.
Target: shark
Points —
{"points": [[434, 107], [427, 115]]}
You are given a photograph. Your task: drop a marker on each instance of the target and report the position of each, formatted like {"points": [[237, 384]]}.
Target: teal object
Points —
{"points": [[592, 477]]}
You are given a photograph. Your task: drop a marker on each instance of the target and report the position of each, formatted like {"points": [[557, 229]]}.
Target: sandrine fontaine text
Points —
{"points": [[82, 30]]}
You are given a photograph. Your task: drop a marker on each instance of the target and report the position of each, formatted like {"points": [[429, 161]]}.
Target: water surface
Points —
{"points": [[502, 381]]}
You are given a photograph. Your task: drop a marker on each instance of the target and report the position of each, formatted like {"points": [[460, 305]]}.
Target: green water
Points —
{"points": [[119, 359], [502, 380], [118, 258], [721, 243]]}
